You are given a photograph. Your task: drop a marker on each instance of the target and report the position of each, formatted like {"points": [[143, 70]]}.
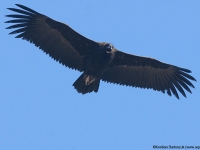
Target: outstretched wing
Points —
{"points": [[56, 39], [148, 73]]}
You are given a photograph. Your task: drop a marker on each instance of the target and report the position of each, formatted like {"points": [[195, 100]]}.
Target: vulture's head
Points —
{"points": [[107, 47]]}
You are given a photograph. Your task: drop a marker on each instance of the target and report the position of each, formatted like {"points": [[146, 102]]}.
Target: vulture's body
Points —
{"points": [[97, 60]]}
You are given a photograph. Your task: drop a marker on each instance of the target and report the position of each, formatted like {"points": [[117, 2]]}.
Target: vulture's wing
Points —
{"points": [[56, 39], [146, 72]]}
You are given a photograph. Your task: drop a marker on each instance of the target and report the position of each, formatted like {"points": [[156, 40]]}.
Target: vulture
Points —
{"points": [[96, 60]]}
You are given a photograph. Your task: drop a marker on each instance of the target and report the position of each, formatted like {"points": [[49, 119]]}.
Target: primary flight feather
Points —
{"points": [[97, 60]]}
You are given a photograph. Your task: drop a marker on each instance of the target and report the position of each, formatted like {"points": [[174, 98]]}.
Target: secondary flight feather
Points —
{"points": [[97, 60]]}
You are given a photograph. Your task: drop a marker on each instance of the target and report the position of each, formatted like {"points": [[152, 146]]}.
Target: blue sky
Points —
{"points": [[40, 109]]}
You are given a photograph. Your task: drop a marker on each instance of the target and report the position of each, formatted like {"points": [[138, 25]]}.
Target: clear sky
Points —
{"points": [[40, 109]]}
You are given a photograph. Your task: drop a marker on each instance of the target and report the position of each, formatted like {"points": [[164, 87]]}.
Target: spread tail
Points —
{"points": [[86, 84]]}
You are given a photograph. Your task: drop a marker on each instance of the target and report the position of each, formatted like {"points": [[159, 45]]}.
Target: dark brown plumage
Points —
{"points": [[98, 61]]}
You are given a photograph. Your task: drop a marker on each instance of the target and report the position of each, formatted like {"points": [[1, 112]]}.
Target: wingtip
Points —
{"points": [[185, 70], [18, 5], [9, 8], [194, 79], [177, 96]]}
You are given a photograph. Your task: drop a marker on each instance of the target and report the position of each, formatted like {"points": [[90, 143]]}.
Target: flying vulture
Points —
{"points": [[97, 60]]}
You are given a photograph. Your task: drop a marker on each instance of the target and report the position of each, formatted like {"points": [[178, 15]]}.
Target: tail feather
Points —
{"points": [[83, 86]]}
